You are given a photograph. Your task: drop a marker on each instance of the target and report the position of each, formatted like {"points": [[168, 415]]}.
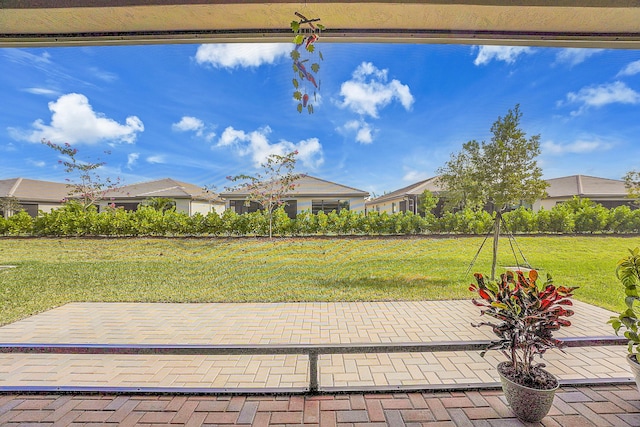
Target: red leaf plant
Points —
{"points": [[527, 316]]}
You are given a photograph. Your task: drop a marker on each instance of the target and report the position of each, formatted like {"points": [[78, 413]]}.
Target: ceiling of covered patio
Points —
{"points": [[569, 23]]}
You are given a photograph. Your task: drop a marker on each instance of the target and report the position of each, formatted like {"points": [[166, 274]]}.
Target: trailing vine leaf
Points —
{"points": [[305, 77]]}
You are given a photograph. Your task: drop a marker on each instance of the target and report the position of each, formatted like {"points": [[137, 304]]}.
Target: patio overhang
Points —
{"points": [[566, 23]]}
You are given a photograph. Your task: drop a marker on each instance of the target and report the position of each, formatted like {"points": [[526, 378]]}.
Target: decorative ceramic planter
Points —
{"points": [[635, 368], [529, 404]]}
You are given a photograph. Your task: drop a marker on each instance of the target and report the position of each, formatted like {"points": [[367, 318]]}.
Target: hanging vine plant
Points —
{"points": [[306, 84]]}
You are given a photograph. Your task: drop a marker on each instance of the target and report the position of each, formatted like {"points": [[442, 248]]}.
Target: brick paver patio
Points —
{"points": [[293, 323], [286, 323], [616, 406]]}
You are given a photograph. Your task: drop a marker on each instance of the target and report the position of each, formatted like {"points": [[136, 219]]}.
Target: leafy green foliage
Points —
{"points": [[270, 186], [9, 206], [161, 204], [500, 174], [628, 272], [20, 224], [632, 183], [527, 316], [427, 202]]}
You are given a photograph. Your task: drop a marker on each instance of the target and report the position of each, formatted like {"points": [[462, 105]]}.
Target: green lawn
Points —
{"points": [[52, 272]]}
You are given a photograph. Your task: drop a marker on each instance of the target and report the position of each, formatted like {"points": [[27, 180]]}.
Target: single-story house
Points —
{"points": [[33, 195], [406, 199], [309, 194], [189, 198], [608, 192]]}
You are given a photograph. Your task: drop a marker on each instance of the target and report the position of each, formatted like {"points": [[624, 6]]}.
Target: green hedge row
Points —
{"points": [[576, 216]]}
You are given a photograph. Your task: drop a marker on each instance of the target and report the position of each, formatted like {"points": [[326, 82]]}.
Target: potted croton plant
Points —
{"points": [[526, 317], [628, 272]]}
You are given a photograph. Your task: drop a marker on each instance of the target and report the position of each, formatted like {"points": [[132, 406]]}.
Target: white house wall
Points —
{"points": [[356, 204], [205, 207], [547, 204], [48, 207], [304, 205], [385, 206]]}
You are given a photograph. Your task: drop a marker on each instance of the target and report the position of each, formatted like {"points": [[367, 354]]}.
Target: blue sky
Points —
{"points": [[388, 115]]}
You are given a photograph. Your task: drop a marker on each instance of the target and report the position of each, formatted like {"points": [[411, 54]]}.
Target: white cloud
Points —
{"points": [[245, 55], [415, 176], [575, 56], [368, 91], [193, 124], [257, 145], [508, 54], [25, 57], [577, 147], [132, 159], [74, 121], [631, 69], [599, 96], [158, 158], [363, 131], [188, 123], [41, 91]]}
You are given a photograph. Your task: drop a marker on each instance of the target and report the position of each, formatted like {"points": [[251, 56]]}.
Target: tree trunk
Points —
{"points": [[496, 236]]}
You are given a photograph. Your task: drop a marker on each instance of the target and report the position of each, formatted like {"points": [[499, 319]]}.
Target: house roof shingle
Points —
{"points": [[416, 189], [585, 186], [167, 187], [25, 189]]}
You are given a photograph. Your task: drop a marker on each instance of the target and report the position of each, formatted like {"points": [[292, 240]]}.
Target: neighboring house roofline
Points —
{"points": [[15, 186], [165, 187], [584, 186], [410, 190], [28, 190], [296, 193]]}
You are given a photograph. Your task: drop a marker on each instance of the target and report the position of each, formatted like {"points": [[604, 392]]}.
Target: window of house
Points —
{"points": [[393, 207], [327, 206], [291, 208], [128, 206], [30, 208], [245, 206]]}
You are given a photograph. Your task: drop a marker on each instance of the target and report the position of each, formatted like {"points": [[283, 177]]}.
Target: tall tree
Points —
{"points": [[271, 185], [85, 184], [501, 173]]}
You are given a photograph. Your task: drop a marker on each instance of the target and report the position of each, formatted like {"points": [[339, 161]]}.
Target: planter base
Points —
{"points": [[635, 368], [528, 404]]}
